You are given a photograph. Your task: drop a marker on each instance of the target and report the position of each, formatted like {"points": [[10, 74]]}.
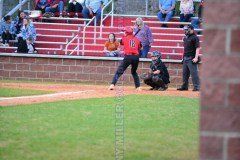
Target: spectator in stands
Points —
{"points": [[186, 11], [19, 21], [158, 76], [144, 34], [196, 21], [111, 47], [55, 6], [30, 46], [8, 30], [94, 7], [167, 10], [27, 30], [75, 6], [41, 5]]}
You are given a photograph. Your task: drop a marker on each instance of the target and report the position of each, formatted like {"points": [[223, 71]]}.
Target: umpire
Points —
{"points": [[158, 77], [131, 57], [190, 59]]}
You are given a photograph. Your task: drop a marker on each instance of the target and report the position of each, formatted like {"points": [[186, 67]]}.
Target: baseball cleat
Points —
{"points": [[139, 89], [182, 89], [195, 89], [111, 87]]}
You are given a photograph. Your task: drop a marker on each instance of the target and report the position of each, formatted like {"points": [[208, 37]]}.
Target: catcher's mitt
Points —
{"points": [[146, 75]]}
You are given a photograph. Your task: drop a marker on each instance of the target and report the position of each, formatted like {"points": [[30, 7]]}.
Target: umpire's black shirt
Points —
{"points": [[191, 43]]}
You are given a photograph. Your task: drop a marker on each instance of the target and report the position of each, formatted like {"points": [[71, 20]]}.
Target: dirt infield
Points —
{"points": [[79, 91]]}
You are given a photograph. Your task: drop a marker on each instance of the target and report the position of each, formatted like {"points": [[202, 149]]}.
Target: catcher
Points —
{"points": [[158, 76]]}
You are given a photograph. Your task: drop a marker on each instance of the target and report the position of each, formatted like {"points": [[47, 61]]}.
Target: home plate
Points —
{"points": [[9, 101]]}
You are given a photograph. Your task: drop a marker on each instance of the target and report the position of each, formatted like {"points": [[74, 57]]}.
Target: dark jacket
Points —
{"points": [[159, 65]]}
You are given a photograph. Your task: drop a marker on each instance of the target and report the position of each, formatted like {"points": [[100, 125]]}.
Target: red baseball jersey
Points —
{"points": [[131, 44]]}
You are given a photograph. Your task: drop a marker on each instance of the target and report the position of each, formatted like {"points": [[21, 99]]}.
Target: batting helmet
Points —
{"points": [[156, 54], [128, 30]]}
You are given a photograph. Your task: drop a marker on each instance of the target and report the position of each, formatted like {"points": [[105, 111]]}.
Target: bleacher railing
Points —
{"points": [[19, 6], [75, 49], [84, 33], [76, 37], [93, 20], [106, 15]]}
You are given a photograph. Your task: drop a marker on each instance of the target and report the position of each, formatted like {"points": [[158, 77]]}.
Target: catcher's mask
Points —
{"points": [[156, 54]]}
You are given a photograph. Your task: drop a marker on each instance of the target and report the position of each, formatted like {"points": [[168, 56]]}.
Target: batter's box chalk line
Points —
{"points": [[48, 95]]}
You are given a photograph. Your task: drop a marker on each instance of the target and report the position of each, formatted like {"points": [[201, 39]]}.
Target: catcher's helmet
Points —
{"points": [[156, 54], [128, 30]]}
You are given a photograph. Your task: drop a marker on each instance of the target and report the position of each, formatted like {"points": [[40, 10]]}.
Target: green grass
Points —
{"points": [[12, 92], [156, 128]]}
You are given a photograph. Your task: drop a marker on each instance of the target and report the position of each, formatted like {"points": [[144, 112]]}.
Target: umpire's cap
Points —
{"points": [[128, 30], [156, 54], [188, 27]]}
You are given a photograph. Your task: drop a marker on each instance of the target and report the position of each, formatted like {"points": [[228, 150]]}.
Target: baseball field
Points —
{"points": [[77, 122]]}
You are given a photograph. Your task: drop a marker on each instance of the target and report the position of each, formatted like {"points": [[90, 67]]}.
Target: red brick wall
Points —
{"points": [[220, 96], [73, 70]]}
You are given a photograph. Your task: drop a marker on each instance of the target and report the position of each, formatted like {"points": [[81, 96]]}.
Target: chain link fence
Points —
{"points": [[136, 7], [144, 7]]}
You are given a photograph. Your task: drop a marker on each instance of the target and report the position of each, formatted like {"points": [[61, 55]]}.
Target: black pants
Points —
{"points": [[18, 28], [6, 37], [190, 68], [185, 18], [22, 46], [128, 60], [155, 82], [75, 8]]}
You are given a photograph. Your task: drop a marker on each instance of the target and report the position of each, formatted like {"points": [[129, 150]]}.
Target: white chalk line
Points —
{"points": [[47, 95]]}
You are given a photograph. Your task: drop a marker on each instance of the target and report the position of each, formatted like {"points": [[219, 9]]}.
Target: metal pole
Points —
{"points": [[78, 46], [146, 10], [83, 40], [112, 13], [20, 2], [29, 5], [95, 27], [1, 9], [101, 23]]}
